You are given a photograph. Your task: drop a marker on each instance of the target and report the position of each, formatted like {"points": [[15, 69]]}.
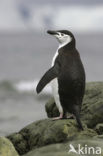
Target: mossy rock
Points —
{"points": [[62, 149], [48, 137], [99, 128], [7, 148], [19, 142], [45, 132], [92, 108]]}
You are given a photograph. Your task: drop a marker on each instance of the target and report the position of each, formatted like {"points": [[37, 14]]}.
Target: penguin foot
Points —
{"points": [[71, 117], [58, 118]]}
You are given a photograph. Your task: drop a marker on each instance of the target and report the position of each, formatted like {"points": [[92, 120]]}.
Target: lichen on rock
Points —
{"points": [[92, 108], [7, 148], [51, 138], [45, 132]]}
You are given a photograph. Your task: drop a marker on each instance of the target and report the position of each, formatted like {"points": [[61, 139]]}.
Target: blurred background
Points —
{"points": [[26, 52]]}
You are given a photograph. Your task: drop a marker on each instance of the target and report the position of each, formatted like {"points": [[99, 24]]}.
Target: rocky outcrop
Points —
{"points": [[7, 148], [99, 128], [92, 108], [63, 149], [47, 132], [48, 137]]}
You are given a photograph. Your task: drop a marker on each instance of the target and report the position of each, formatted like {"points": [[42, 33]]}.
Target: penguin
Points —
{"points": [[67, 76]]}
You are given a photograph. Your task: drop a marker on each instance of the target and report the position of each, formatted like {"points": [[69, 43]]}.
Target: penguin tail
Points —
{"points": [[77, 116]]}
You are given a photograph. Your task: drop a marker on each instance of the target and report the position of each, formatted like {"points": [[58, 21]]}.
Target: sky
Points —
{"points": [[38, 15], [65, 2]]}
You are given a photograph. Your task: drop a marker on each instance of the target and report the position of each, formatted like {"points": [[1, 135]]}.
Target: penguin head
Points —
{"points": [[63, 36]]}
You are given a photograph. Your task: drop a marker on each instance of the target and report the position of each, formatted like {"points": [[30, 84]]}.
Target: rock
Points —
{"points": [[63, 148], [20, 143], [51, 150], [92, 108], [52, 138], [7, 148], [51, 108], [99, 128], [98, 137], [45, 132]]}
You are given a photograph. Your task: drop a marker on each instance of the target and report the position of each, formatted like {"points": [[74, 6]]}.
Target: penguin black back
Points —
{"points": [[71, 81]]}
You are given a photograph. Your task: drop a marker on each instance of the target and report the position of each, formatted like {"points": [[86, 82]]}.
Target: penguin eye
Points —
{"points": [[62, 34]]}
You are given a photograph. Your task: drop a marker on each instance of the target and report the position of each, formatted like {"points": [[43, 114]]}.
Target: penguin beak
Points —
{"points": [[52, 32]]}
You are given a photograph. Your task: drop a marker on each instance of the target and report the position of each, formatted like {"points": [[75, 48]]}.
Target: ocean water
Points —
{"points": [[24, 57]]}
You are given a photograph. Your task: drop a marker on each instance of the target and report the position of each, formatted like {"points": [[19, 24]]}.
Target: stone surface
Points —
{"points": [[92, 108], [48, 137], [47, 132], [51, 108], [99, 128], [63, 148], [7, 148]]}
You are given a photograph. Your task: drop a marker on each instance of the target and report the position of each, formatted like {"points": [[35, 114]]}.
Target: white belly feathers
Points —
{"points": [[54, 85]]}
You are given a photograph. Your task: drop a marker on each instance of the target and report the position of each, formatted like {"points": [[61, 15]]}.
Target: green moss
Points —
{"points": [[99, 128], [63, 148], [92, 108], [7, 148], [44, 137]]}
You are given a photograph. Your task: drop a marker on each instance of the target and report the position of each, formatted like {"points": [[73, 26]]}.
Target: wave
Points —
{"points": [[23, 86], [27, 86]]}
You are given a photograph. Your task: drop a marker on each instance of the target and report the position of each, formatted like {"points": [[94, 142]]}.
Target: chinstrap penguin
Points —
{"points": [[66, 75]]}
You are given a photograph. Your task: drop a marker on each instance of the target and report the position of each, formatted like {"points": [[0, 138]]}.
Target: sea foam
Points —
{"points": [[29, 86]]}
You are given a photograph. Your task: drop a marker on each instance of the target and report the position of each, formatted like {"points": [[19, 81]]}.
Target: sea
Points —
{"points": [[24, 58]]}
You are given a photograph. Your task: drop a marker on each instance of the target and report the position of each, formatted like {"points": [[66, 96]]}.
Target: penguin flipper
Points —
{"points": [[47, 77]]}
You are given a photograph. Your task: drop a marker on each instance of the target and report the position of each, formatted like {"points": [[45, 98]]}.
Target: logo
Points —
{"points": [[84, 150]]}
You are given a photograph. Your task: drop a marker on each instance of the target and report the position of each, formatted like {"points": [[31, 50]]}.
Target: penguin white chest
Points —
{"points": [[54, 85]]}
